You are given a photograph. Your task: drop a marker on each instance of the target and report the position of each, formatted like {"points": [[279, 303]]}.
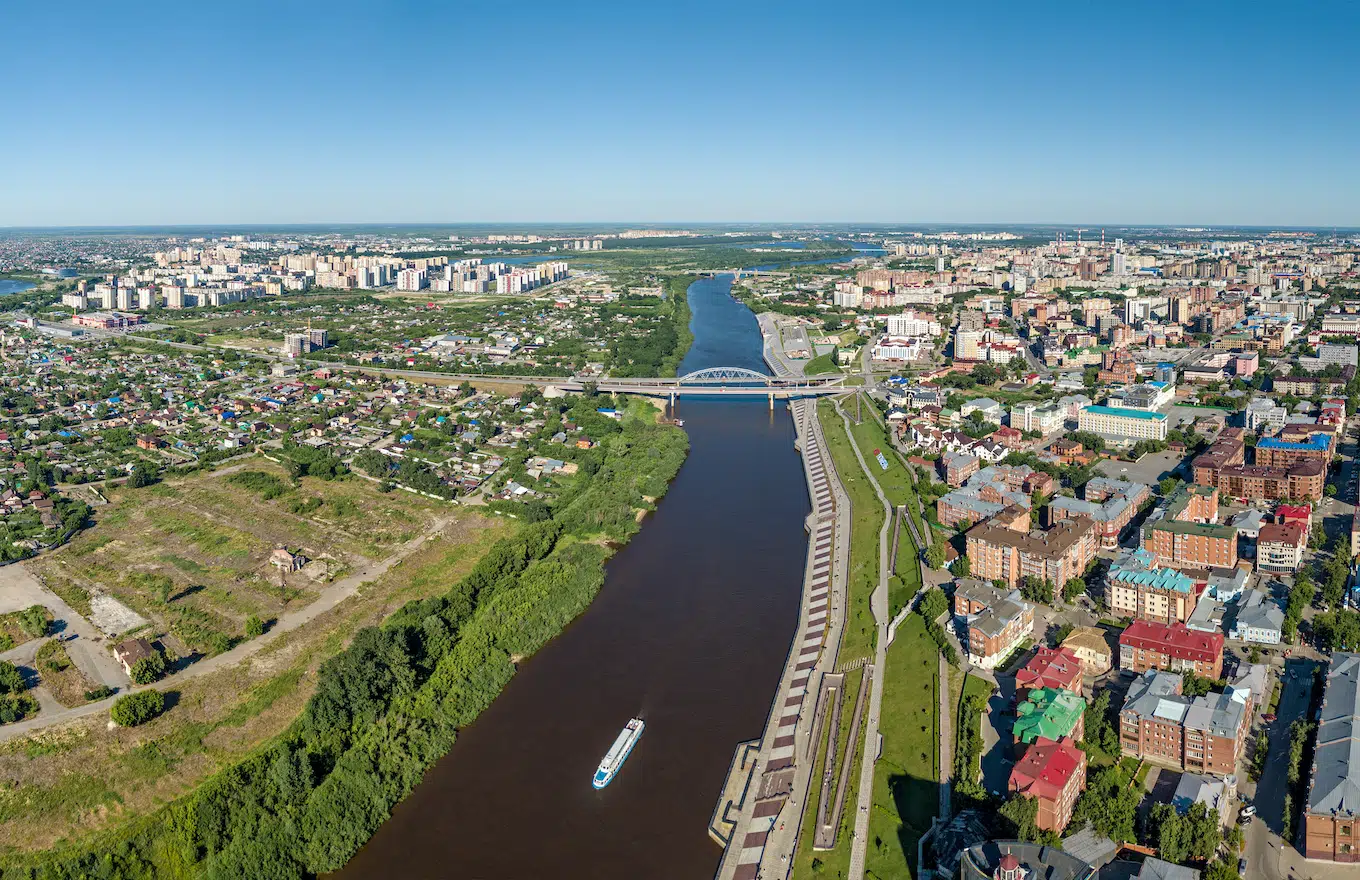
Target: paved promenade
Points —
{"points": [[767, 828]]}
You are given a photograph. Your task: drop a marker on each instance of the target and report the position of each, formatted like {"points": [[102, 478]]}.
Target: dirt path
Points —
{"points": [[330, 597]]}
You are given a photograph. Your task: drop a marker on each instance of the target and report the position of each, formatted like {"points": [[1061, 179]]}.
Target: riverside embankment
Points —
{"points": [[690, 630]]}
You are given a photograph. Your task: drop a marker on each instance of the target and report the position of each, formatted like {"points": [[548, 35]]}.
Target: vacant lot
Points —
{"points": [[69, 781], [193, 556]]}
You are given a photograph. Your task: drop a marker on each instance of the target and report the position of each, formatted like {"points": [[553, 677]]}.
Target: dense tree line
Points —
{"points": [[387, 706]]}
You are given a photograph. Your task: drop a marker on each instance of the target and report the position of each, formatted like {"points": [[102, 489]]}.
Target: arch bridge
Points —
{"points": [[727, 382]]}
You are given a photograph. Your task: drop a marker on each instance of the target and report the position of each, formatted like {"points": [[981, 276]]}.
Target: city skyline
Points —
{"points": [[1210, 116]]}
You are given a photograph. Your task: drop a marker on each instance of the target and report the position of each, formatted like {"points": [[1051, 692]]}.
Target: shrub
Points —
{"points": [[138, 708], [99, 693], [34, 622], [17, 708], [254, 627], [149, 669], [11, 679], [267, 486]]}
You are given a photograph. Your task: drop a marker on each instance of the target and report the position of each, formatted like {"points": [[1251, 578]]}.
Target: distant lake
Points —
{"points": [[8, 285]]}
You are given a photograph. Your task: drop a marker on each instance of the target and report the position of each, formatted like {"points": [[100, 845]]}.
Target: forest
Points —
{"points": [[390, 704]]}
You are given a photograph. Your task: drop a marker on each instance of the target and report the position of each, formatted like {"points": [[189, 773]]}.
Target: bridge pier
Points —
{"points": [[771, 401]]}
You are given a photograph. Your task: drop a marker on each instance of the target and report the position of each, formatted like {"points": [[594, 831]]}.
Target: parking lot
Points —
{"points": [[1149, 469]]}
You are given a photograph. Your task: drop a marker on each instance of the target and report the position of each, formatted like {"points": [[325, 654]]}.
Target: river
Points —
{"points": [[10, 285], [690, 630]]}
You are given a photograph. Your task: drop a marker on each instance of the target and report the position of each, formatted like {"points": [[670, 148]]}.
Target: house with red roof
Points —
{"points": [[1299, 513], [1056, 668], [1280, 546], [1147, 644], [1054, 774]]}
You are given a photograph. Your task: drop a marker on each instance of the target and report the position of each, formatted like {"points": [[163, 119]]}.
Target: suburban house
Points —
{"points": [[129, 651]]}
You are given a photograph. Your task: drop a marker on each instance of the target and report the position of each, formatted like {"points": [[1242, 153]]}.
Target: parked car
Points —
{"points": [[1248, 811], [1268, 718]]}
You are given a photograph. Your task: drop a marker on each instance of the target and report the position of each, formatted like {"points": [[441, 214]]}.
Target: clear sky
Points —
{"points": [[1183, 112]]}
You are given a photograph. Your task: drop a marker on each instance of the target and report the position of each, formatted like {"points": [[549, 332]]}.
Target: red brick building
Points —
{"points": [[1058, 668], [1054, 774], [1147, 644]]}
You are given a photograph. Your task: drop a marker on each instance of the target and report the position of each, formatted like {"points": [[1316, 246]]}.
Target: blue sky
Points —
{"points": [[289, 112]]}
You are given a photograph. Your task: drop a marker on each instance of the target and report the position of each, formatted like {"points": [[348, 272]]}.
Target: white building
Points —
{"points": [[1120, 424], [1264, 413], [913, 323], [893, 348], [1045, 418], [411, 279]]}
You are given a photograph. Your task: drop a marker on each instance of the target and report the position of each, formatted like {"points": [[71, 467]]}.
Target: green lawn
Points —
{"points": [[898, 481], [866, 518], [906, 778], [821, 364], [832, 864]]}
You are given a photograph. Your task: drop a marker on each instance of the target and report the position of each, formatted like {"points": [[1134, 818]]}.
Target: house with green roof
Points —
{"points": [[1049, 713]]}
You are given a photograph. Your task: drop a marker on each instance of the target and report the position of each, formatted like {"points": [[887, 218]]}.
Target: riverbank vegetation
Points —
{"points": [[384, 708]]}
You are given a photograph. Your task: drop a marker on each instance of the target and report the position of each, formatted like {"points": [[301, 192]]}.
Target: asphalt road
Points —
{"points": [[1263, 836]]}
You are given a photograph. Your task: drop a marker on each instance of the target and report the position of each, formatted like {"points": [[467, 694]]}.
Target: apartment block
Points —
{"points": [[1280, 546], [1202, 735], [1137, 587], [1109, 503], [991, 622], [1055, 668], [1054, 774], [1184, 531], [1122, 424], [1063, 551], [1146, 644], [1332, 818]]}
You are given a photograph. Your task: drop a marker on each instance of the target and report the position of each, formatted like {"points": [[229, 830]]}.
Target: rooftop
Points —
{"points": [[1173, 640], [1126, 413], [1335, 786], [1049, 713], [1316, 443]]}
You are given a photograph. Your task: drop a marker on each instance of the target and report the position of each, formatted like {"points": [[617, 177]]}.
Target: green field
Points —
{"points": [[823, 363], [906, 778], [832, 864]]}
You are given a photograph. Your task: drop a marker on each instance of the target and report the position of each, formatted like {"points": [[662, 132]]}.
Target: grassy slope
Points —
{"points": [[906, 788], [824, 363], [865, 521], [833, 864]]}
